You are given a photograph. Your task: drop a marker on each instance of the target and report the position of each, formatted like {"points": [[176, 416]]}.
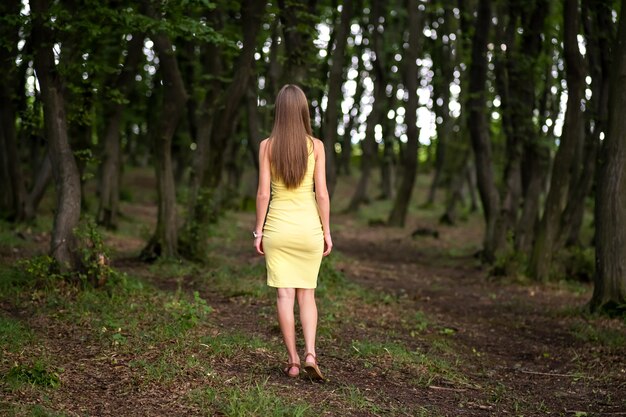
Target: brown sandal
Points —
{"points": [[311, 368], [289, 366]]}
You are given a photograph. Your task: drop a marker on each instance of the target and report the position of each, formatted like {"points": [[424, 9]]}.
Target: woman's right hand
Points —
{"points": [[328, 244], [258, 245]]}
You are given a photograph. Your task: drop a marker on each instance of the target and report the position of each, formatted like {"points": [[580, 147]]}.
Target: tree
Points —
{"points": [[334, 93], [111, 158], [164, 242], [63, 246], [610, 213], [12, 179], [410, 76], [478, 125], [549, 226], [368, 144]]}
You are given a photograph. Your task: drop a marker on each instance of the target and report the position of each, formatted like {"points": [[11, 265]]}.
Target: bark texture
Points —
{"points": [[14, 195], [549, 226], [111, 158], [610, 279], [400, 207], [63, 245], [479, 127]]}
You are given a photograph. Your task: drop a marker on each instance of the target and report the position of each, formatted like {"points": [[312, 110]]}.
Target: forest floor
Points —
{"points": [[409, 326]]}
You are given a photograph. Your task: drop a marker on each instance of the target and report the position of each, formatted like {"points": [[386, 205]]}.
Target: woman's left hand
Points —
{"points": [[328, 245]]}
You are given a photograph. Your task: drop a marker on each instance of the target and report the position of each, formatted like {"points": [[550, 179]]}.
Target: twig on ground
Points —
{"points": [[546, 373], [446, 389]]}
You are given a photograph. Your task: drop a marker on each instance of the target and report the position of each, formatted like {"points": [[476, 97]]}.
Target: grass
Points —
{"points": [[247, 399], [426, 368], [40, 373], [27, 410], [591, 332], [14, 335]]}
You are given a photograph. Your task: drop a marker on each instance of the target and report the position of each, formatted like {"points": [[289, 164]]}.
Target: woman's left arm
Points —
{"points": [[262, 195]]}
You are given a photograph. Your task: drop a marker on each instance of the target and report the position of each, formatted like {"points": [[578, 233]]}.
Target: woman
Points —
{"points": [[294, 233]]}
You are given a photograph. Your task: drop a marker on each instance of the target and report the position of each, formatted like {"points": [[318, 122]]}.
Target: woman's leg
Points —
{"points": [[285, 299], [308, 318]]}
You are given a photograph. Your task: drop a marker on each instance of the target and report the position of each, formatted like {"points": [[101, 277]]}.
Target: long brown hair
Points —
{"points": [[292, 126]]}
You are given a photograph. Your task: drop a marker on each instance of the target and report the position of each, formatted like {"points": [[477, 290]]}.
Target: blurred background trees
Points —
{"points": [[515, 101]]}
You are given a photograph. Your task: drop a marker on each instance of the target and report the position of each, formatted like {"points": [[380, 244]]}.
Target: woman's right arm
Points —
{"points": [[262, 195], [321, 194]]}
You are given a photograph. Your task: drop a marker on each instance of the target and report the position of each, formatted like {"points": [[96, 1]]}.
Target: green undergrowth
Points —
{"points": [[40, 373], [425, 367], [247, 399], [590, 332], [14, 335], [28, 410]]}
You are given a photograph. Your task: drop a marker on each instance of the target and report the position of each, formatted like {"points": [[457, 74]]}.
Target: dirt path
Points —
{"points": [[518, 340]]}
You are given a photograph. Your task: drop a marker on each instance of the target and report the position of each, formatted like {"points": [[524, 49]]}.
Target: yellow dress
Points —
{"points": [[293, 240]]}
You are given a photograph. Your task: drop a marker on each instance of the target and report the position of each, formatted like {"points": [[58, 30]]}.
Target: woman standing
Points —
{"points": [[294, 233]]}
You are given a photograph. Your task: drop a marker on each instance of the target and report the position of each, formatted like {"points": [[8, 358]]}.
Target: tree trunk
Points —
{"points": [[111, 160], [14, 186], [294, 15], [599, 32], [164, 242], [517, 83], [42, 179], [353, 114], [334, 93], [63, 246], [410, 74], [387, 164], [454, 195], [254, 129], [535, 165], [547, 233], [610, 278], [479, 127], [211, 65], [215, 130], [368, 144], [252, 18], [444, 55]]}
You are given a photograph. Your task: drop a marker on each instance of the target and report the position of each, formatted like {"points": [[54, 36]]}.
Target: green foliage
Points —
{"points": [[594, 333], [13, 334], [426, 367], [251, 399], [31, 411], [35, 374], [94, 254], [39, 269], [188, 313]]}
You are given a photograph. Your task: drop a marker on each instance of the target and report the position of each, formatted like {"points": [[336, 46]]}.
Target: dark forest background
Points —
{"points": [[519, 106]]}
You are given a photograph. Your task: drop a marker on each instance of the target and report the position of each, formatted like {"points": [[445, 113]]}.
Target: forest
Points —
{"points": [[476, 161]]}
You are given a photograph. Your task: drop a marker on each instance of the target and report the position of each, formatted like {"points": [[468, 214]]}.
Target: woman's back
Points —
{"points": [[292, 235]]}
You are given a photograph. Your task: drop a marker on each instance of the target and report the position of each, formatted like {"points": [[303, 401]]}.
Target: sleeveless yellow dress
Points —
{"points": [[293, 240]]}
